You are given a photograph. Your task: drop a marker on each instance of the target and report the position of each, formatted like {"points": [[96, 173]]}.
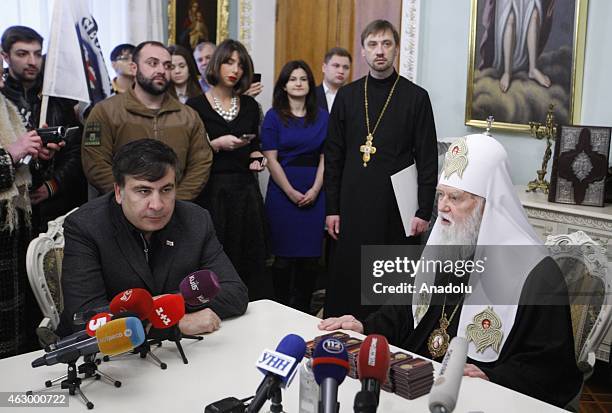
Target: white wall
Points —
{"points": [[443, 60], [262, 44], [262, 52], [597, 91]]}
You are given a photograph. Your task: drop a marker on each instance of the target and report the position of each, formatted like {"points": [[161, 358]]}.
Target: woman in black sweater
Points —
{"points": [[232, 193]]}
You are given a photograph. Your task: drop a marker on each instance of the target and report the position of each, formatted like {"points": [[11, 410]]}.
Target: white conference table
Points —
{"points": [[223, 365]]}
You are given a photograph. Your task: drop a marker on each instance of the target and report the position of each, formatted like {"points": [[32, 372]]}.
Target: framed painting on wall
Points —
{"points": [[193, 21], [523, 56]]}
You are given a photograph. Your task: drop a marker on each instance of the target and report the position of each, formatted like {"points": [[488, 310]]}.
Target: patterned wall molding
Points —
{"points": [[245, 23], [410, 39]]}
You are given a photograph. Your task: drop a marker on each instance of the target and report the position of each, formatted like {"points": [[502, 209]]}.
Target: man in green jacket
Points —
{"points": [[147, 111]]}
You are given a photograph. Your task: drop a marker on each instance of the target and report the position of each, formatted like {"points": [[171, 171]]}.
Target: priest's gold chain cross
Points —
{"points": [[368, 149]]}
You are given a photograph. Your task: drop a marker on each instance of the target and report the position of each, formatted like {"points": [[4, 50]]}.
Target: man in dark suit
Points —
{"points": [[140, 236], [336, 68]]}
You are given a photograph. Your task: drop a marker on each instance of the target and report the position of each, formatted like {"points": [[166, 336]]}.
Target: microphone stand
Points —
{"points": [[72, 381], [276, 401], [265, 391], [175, 335], [372, 386], [143, 351]]}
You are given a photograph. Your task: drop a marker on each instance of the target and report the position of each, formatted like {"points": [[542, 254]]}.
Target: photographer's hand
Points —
{"points": [[27, 144], [47, 152]]}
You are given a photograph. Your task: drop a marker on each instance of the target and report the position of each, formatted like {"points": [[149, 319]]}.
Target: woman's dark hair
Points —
{"points": [[193, 87], [147, 159], [222, 54], [280, 100]]}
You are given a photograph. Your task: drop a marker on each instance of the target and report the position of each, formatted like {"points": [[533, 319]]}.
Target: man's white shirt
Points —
{"points": [[330, 95]]}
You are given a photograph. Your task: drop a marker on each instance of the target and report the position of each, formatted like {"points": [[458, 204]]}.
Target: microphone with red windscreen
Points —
{"points": [[96, 322], [199, 287], [135, 300], [373, 363], [167, 311]]}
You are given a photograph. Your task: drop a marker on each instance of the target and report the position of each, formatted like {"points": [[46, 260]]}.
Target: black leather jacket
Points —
{"points": [[65, 169]]}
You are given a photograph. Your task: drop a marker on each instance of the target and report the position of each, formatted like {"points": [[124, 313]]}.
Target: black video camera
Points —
{"points": [[54, 134]]}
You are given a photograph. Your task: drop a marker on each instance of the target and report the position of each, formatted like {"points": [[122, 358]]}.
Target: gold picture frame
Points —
{"points": [[558, 28], [193, 21]]}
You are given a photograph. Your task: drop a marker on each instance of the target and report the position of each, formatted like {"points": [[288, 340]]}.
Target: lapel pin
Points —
{"points": [[169, 243]]}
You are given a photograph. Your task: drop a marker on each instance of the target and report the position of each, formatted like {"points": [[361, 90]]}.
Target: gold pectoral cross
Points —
{"points": [[368, 149]]}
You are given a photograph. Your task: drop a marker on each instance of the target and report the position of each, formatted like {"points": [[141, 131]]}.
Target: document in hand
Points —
{"points": [[405, 187]]}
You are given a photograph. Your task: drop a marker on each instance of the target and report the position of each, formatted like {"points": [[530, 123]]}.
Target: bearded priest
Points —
{"points": [[517, 317]]}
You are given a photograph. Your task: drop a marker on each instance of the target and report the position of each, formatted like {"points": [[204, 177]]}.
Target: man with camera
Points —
{"points": [[60, 184], [18, 310]]}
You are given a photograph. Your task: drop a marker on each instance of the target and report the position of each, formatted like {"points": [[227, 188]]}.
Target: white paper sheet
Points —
{"points": [[405, 187]]}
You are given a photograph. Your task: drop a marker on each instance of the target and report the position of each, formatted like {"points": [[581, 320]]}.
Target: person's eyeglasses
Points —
{"points": [[124, 58]]}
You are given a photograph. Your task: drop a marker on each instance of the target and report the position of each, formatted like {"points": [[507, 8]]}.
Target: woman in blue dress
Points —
{"points": [[292, 138]]}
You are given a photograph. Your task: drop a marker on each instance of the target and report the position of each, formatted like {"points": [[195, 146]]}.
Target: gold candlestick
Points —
{"points": [[547, 131]]}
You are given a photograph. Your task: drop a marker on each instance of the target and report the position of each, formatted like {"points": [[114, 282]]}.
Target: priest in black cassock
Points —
{"points": [[517, 318], [379, 125]]}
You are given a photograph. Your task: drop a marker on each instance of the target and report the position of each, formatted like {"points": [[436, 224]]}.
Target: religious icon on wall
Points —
{"points": [[194, 21], [580, 165], [525, 55]]}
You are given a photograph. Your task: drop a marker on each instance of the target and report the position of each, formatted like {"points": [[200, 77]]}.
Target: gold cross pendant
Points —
{"points": [[368, 150]]}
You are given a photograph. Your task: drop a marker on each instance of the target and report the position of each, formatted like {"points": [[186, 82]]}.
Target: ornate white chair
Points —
{"points": [[589, 281], [44, 267]]}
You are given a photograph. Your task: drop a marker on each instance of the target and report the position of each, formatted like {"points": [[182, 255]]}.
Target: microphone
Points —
{"points": [[445, 390], [373, 364], [126, 314], [199, 287], [96, 322], [136, 300], [365, 402], [93, 324], [329, 365], [119, 336], [167, 311], [279, 366], [115, 337], [68, 340], [81, 318]]}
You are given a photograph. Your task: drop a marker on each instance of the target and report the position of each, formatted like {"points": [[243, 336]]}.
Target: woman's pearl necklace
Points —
{"points": [[229, 114]]}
